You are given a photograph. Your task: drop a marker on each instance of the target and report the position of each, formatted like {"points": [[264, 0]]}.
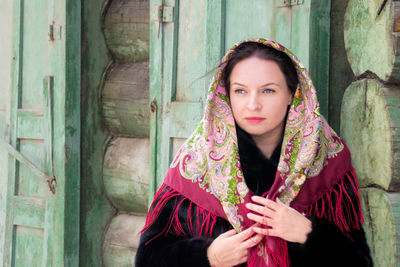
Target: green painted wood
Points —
{"points": [[255, 22], [125, 99], [30, 127], [95, 208], [42, 225], [379, 226], [371, 44], [29, 211], [180, 102], [370, 125], [319, 50], [29, 243], [125, 174], [126, 29], [8, 231], [340, 73], [155, 59], [395, 204]]}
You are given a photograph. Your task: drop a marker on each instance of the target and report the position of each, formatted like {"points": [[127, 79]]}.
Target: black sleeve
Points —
{"points": [[160, 245], [327, 245]]}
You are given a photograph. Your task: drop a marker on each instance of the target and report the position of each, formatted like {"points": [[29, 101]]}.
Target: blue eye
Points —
{"points": [[239, 91], [268, 91]]}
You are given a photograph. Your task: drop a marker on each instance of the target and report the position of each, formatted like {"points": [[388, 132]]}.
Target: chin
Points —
{"points": [[259, 130], [256, 132]]}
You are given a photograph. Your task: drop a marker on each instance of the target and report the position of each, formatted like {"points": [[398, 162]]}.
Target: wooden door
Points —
{"points": [[40, 198], [189, 37]]}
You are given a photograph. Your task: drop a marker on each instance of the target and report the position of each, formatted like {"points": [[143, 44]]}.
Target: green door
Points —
{"points": [[40, 179], [189, 37]]}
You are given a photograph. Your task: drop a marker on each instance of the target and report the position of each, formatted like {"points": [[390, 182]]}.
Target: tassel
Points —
{"points": [[194, 227], [340, 205]]}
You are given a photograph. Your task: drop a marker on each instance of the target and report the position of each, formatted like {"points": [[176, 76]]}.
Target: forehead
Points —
{"points": [[255, 70]]}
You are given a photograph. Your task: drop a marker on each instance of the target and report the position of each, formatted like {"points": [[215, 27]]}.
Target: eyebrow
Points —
{"points": [[267, 84]]}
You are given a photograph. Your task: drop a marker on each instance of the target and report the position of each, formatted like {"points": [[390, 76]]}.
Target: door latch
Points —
{"points": [[288, 3]]}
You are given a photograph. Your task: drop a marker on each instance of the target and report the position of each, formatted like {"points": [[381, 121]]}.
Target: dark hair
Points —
{"points": [[249, 49]]}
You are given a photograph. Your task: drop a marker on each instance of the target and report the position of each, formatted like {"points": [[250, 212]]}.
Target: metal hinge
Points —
{"points": [[51, 180], [165, 13], [55, 32], [287, 3]]}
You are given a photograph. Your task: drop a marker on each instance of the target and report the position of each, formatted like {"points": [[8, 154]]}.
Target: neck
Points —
{"points": [[268, 142]]}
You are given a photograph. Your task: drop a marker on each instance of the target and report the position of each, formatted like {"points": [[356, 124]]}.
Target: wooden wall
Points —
{"points": [[126, 116], [370, 120]]}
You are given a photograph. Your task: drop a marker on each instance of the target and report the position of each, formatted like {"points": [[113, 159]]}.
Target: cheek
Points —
{"points": [[277, 109], [236, 106]]}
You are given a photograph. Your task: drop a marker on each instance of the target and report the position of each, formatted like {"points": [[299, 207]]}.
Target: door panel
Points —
{"points": [[37, 188], [249, 19], [28, 184], [190, 48], [28, 247], [191, 51], [35, 49]]}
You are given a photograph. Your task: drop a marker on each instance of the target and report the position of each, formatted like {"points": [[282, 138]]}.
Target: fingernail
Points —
{"points": [[253, 197], [248, 205]]}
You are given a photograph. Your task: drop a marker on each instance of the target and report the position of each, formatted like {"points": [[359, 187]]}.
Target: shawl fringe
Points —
{"points": [[341, 205], [202, 225]]}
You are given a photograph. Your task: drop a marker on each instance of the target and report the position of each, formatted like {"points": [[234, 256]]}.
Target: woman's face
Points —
{"points": [[259, 96]]}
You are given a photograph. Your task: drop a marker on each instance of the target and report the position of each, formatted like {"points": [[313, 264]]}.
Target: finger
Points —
{"points": [[229, 233], [244, 234], [262, 231], [251, 242], [275, 232], [267, 232], [260, 219], [265, 202], [260, 209]]}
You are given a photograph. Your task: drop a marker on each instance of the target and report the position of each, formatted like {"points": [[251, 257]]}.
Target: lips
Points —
{"points": [[254, 119]]}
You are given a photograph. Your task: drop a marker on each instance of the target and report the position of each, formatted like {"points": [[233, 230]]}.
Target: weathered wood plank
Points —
{"points": [[29, 211], [370, 38], [28, 246], [122, 240], [370, 123], [319, 48], [156, 63], [126, 28], [340, 73], [95, 208], [125, 99], [395, 203], [255, 22], [379, 226], [30, 127], [125, 174]]}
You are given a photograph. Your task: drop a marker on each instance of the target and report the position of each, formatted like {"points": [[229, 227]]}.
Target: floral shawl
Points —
{"points": [[313, 159]]}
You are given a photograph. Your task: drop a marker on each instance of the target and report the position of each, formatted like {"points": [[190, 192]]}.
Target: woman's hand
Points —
{"points": [[281, 220], [231, 248]]}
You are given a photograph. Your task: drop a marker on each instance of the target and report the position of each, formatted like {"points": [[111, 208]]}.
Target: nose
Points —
{"points": [[253, 102]]}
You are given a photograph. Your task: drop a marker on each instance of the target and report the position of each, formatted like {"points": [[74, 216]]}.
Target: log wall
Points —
{"points": [[370, 120], [125, 112]]}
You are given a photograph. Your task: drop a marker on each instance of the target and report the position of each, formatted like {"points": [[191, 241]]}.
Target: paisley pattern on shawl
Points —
{"points": [[210, 156]]}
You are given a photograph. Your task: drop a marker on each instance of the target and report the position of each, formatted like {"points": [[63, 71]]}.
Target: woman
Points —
{"points": [[263, 181]]}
